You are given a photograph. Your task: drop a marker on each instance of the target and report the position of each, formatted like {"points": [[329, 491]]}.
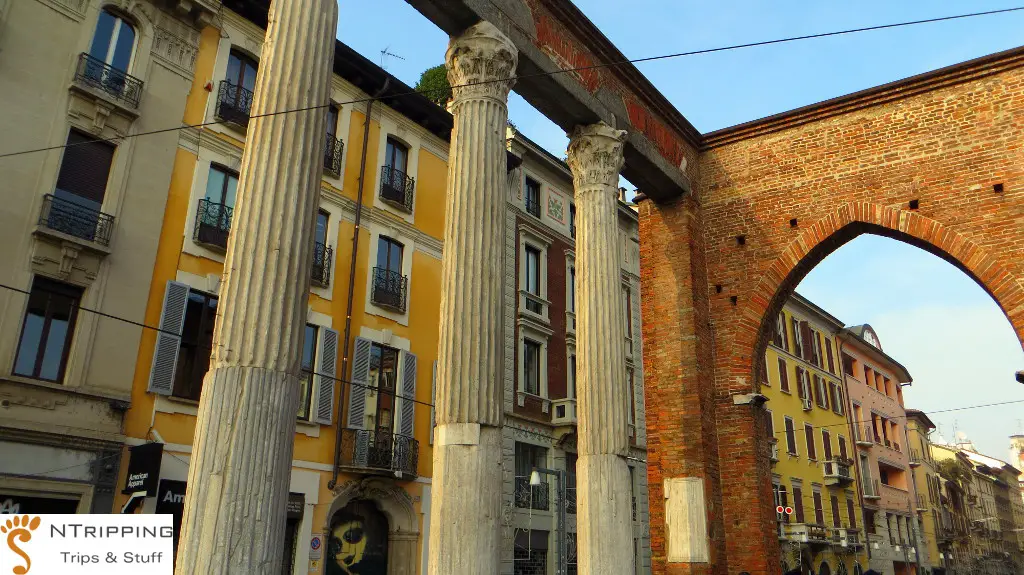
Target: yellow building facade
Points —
{"points": [[359, 491], [813, 474]]}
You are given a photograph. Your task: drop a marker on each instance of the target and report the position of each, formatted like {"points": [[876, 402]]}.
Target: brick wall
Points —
{"points": [[796, 187]]}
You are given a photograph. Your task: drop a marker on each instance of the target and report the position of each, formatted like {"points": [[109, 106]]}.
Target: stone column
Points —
{"points": [[466, 500], [604, 509], [238, 478]]}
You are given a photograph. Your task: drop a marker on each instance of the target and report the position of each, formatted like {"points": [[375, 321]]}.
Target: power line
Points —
{"points": [[118, 139]]}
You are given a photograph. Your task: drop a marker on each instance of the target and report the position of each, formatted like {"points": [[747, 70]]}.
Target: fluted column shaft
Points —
{"points": [[466, 498], [604, 508], [238, 478]]}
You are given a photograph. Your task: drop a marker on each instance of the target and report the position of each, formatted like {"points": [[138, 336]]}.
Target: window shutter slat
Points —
{"points": [[408, 395], [433, 399], [360, 375], [165, 354], [326, 369]]}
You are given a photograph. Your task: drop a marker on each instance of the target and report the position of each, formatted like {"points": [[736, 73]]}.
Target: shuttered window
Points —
{"points": [[783, 375], [801, 390], [47, 330], [798, 339], [778, 335], [168, 339], [196, 344], [790, 437], [798, 503], [809, 437], [842, 447], [84, 170], [828, 354], [309, 356], [408, 403], [826, 443], [819, 511], [360, 376], [433, 400], [851, 513], [326, 372], [837, 521]]}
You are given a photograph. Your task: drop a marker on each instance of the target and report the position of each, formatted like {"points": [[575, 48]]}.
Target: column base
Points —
{"points": [[604, 520], [465, 503]]}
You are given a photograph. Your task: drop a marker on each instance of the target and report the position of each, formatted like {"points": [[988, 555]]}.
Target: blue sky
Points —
{"points": [[934, 319]]}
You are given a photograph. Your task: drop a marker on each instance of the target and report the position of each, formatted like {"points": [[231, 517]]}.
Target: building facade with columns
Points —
{"points": [[540, 395], [77, 226]]}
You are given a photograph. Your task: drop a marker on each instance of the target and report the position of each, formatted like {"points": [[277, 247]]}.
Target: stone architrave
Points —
{"points": [[234, 517], [466, 499], [604, 508]]}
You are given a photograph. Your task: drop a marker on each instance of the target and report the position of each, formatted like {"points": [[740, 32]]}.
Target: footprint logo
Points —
{"points": [[20, 528]]}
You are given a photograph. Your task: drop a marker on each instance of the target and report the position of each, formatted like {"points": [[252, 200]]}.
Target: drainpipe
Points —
{"points": [[352, 274]]}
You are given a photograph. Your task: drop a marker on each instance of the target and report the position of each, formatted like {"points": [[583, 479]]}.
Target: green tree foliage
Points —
{"points": [[434, 85], [950, 470]]}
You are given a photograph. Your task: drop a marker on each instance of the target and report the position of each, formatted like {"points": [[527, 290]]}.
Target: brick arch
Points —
{"points": [[842, 225]]}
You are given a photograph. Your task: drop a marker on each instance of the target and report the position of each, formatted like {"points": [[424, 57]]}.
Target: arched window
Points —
{"points": [[114, 41]]}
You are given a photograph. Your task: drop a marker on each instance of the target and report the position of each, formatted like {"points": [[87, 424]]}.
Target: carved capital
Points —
{"points": [[481, 64], [595, 156]]}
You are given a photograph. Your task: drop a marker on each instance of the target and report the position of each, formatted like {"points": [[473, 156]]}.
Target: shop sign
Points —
{"points": [[144, 469]]}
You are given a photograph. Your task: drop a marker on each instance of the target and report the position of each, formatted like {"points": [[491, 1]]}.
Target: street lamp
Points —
{"points": [[561, 561]]}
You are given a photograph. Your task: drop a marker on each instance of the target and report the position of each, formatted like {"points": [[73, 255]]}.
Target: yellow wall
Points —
{"points": [[788, 467]]}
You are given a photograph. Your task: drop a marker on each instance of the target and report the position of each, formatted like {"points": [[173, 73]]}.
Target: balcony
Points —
{"points": [[332, 155], [396, 188], [95, 74], [234, 104], [922, 505], [533, 207], [389, 289], [379, 451], [871, 489], [773, 452], [915, 458], [851, 537], [563, 412], [213, 223], [807, 533], [320, 273], [838, 471], [531, 496], [865, 435], [70, 218]]}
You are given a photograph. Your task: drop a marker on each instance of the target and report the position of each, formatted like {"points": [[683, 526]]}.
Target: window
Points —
{"points": [[627, 301], [572, 291], [322, 253], [572, 220], [531, 366], [781, 498], [815, 348], [848, 365], [836, 519], [819, 511], [798, 339], [532, 193], [851, 513], [332, 146], [221, 186], [381, 400], [396, 156], [196, 345], [779, 334], [532, 257], [798, 503], [790, 437], [47, 330], [308, 363], [631, 392], [113, 42], [81, 187], [826, 443], [332, 121], [570, 482], [527, 458], [242, 72], [783, 376], [828, 353], [389, 283], [809, 437], [213, 221], [770, 419], [842, 447]]}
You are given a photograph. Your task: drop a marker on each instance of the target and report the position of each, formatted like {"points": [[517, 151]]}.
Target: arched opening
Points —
{"points": [[357, 542], [824, 569]]}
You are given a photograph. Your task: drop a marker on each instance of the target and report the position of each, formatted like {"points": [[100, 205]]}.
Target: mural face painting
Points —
{"points": [[358, 541]]}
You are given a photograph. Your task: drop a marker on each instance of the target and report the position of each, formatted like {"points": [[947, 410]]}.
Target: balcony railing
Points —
{"points": [[320, 273], [533, 207], [379, 450], [121, 86], [838, 471], [397, 188], [773, 452], [531, 496], [389, 289], [332, 155], [865, 434], [871, 489], [213, 223], [234, 104], [922, 505], [915, 458], [68, 217], [563, 411]]}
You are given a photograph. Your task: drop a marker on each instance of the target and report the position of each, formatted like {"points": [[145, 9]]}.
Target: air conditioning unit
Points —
{"points": [[807, 403]]}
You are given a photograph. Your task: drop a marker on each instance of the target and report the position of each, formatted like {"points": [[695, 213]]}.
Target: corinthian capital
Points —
{"points": [[595, 155], [481, 63]]}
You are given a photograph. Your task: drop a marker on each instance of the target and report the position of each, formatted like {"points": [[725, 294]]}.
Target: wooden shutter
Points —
{"points": [[842, 447], [798, 348], [819, 511], [790, 437], [826, 441], [785, 331], [828, 354], [326, 370], [783, 375], [408, 424], [800, 391], [165, 354], [836, 520], [805, 341], [433, 399], [815, 391], [851, 513], [360, 378], [823, 390], [809, 436], [798, 503]]}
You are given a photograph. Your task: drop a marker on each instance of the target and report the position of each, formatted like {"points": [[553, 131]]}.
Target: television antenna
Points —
{"points": [[384, 57]]}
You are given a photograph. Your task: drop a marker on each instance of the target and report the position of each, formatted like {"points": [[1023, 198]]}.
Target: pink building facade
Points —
{"points": [[879, 425]]}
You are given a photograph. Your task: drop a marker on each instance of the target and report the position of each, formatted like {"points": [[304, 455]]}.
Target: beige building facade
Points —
{"points": [[77, 224]]}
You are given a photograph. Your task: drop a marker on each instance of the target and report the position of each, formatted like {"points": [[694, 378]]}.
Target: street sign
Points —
{"points": [[316, 547]]}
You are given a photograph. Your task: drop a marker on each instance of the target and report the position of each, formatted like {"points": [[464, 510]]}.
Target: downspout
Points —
{"points": [[352, 275]]}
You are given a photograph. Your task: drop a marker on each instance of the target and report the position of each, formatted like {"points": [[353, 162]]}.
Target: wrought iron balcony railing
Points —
{"points": [[213, 224], [234, 104], [397, 188], [389, 289], [68, 217], [533, 208], [323, 255], [379, 450], [531, 496], [118, 84], [332, 155]]}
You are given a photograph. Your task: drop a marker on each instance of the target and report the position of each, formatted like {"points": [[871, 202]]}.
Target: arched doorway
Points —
{"points": [[357, 543], [824, 569]]}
